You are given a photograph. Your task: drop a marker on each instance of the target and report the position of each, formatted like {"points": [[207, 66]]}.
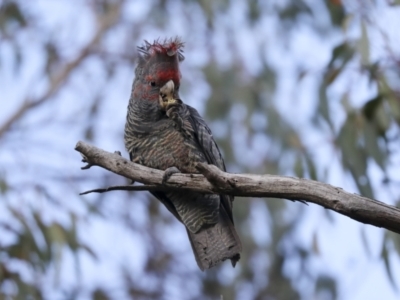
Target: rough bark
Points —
{"points": [[213, 180]]}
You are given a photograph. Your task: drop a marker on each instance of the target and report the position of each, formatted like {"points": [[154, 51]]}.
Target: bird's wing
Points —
{"points": [[167, 202], [210, 149]]}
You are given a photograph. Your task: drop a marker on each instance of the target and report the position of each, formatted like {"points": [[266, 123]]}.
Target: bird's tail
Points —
{"points": [[216, 243]]}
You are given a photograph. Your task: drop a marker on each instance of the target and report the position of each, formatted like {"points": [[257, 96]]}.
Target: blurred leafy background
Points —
{"points": [[297, 87]]}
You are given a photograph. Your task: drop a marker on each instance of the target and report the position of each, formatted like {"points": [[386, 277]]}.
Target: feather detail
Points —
{"points": [[170, 47], [162, 132]]}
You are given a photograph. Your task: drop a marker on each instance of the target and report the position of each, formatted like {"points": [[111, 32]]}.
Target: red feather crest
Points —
{"points": [[168, 47]]}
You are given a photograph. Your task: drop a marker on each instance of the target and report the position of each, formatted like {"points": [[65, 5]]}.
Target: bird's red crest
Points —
{"points": [[168, 47]]}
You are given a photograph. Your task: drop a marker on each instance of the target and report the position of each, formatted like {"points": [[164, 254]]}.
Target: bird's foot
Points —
{"points": [[168, 173]]}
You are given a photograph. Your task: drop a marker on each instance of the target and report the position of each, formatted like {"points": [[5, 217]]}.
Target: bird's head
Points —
{"points": [[158, 68]]}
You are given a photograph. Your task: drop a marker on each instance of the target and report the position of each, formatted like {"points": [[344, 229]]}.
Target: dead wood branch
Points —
{"points": [[357, 207]]}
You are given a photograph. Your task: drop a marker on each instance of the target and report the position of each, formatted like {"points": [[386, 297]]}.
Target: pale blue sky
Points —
{"points": [[341, 249]]}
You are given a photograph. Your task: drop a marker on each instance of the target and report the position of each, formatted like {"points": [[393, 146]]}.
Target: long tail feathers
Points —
{"points": [[216, 243]]}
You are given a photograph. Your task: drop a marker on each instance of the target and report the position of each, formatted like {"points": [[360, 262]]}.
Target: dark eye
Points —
{"points": [[153, 83]]}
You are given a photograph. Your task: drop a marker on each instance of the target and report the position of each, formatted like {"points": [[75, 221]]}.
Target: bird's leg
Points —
{"points": [[173, 113], [168, 173], [179, 121]]}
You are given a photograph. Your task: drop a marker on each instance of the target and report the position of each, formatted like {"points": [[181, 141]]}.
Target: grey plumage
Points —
{"points": [[175, 135]]}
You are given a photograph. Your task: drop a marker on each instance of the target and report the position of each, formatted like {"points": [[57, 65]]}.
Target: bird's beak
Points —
{"points": [[169, 87]]}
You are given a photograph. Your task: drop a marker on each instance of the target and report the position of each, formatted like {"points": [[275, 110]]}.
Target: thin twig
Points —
{"points": [[123, 188]]}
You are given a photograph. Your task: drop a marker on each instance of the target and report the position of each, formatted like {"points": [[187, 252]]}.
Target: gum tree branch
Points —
{"points": [[213, 180], [105, 23]]}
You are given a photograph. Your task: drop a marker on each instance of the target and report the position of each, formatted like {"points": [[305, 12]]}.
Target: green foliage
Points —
{"points": [[11, 18], [259, 134], [26, 247]]}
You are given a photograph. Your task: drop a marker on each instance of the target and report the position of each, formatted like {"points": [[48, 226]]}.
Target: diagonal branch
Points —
{"points": [[59, 79], [357, 207]]}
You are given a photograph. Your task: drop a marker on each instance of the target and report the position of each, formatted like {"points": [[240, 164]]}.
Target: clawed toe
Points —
{"points": [[168, 173]]}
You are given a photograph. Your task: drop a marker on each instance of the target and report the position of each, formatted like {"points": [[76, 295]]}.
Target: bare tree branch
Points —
{"points": [[213, 180], [59, 79]]}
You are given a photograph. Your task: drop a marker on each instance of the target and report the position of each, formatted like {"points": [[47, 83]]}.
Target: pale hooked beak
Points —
{"points": [[169, 87], [167, 92]]}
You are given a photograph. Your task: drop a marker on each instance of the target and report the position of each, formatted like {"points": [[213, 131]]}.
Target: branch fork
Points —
{"points": [[213, 180]]}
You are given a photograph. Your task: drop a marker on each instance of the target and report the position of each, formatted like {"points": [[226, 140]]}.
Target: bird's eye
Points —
{"points": [[153, 83]]}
